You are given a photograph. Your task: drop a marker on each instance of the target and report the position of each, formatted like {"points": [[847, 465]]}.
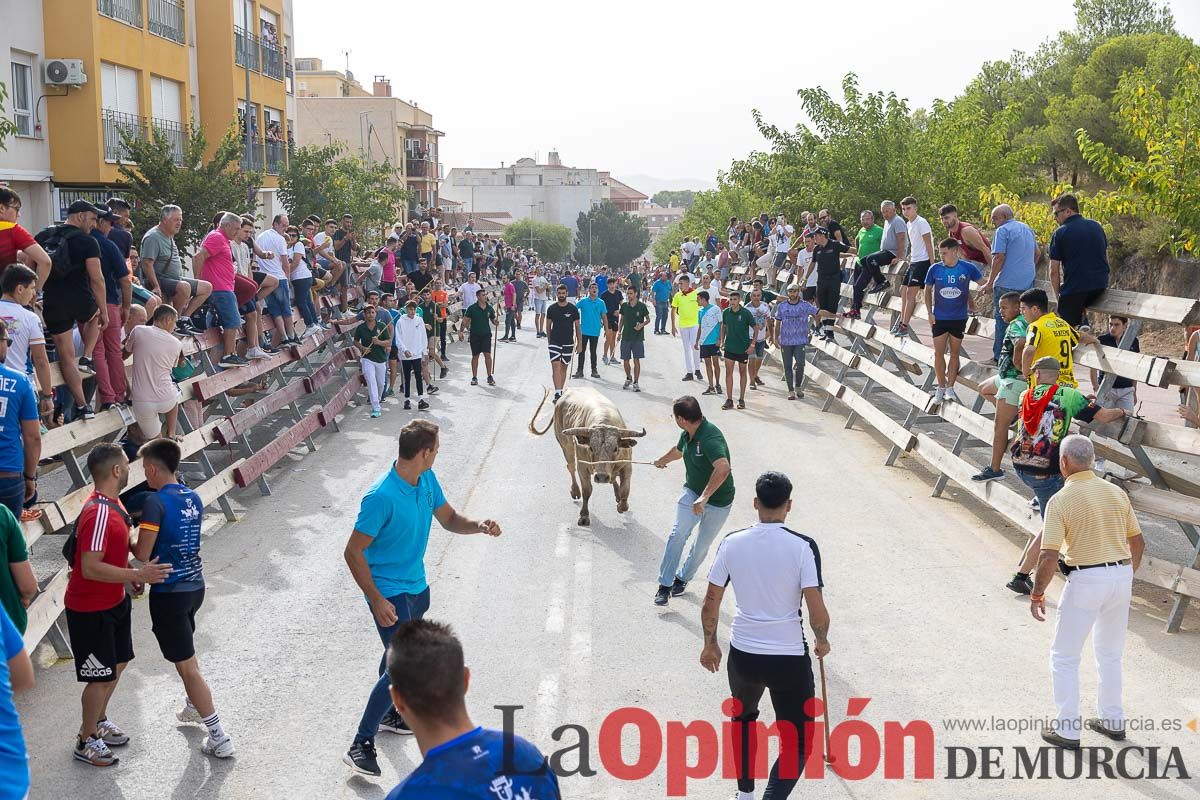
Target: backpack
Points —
{"points": [[69, 546], [55, 241]]}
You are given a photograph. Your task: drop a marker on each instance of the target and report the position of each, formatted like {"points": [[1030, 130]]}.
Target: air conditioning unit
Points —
{"points": [[65, 72]]}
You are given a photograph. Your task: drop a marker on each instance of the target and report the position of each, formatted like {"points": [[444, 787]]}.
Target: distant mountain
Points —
{"points": [[648, 184]]}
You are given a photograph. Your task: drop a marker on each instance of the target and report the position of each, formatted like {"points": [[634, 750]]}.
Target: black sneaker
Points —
{"points": [[86, 366], [595, 374], [431, 389], [577, 374], [662, 596], [689, 377], [422, 405], [444, 372], [185, 327], [678, 587], [232, 360], [474, 381], [85, 412], [1021, 584], [394, 723], [362, 759], [491, 381], [988, 474], [408, 405], [699, 377]]}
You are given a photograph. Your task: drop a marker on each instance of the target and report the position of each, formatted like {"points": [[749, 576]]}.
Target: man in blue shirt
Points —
{"points": [[386, 556], [591, 316], [1014, 265], [571, 281], [1078, 260], [462, 761], [170, 534], [16, 674], [601, 280], [20, 434], [661, 289], [707, 340], [947, 292]]}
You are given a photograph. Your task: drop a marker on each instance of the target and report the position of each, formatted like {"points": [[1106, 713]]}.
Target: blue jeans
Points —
{"points": [[279, 302], [661, 315], [12, 494], [1001, 325], [1044, 487], [304, 303], [710, 523], [408, 606], [410, 266]]}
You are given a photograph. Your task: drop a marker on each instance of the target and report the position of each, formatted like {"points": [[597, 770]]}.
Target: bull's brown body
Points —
{"points": [[590, 428]]}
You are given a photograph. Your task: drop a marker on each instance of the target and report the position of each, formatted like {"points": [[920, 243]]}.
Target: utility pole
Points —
{"points": [[589, 239], [531, 206], [364, 120], [249, 127]]}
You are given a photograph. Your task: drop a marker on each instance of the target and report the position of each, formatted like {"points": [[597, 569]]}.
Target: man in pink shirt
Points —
{"points": [[214, 262], [510, 312], [387, 281]]}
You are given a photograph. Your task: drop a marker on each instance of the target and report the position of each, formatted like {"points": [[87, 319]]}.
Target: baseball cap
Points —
{"points": [[1047, 363], [822, 231], [83, 207], [105, 213]]}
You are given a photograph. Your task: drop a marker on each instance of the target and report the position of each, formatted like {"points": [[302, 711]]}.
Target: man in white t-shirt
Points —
{"points": [[774, 571], [803, 259], [920, 250], [541, 296], [469, 290], [26, 339], [279, 302]]}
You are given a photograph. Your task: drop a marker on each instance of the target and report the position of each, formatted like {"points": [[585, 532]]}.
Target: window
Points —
{"points": [[165, 99], [118, 88], [22, 97]]}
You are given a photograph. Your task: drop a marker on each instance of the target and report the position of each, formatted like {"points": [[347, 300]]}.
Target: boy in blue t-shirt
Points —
{"points": [[170, 534], [947, 297], [706, 341], [14, 762], [428, 686]]}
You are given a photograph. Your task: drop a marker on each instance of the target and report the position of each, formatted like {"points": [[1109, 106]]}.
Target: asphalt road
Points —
{"points": [[559, 619]]}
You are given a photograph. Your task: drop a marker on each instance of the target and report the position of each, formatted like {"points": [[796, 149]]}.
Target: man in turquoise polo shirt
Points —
{"points": [[386, 555]]}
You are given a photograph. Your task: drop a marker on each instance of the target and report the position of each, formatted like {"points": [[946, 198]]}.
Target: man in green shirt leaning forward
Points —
{"points": [[706, 499]]}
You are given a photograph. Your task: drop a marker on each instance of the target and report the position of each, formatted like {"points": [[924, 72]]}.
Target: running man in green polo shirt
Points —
{"points": [[706, 499]]}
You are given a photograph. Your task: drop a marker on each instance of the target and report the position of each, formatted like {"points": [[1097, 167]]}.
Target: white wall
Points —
{"points": [[25, 164], [558, 204]]}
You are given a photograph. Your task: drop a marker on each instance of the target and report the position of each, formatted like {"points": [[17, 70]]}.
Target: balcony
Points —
{"points": [[167, 19], [272, 61], [254, 156], [245, 49], [276, 157], [173, 133], [127, 11], [418, 167], [117, 126]]}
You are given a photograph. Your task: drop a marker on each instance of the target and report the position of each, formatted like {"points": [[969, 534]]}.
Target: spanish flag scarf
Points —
{"points": [[1032, 410]]}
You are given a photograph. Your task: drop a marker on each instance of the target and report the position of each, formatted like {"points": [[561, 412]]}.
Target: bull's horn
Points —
{"points": [[577, 432], [630, 432]]}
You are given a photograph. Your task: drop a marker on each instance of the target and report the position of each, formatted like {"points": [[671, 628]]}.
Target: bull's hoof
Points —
{"points": [[622, 508], [575, 493], [585, 520]]}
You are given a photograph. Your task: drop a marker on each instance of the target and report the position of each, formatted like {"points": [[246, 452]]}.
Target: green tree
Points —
{"points": [[616, 238], [200, 186], [1166, 182], [682, 198], [328, 181], [1104, 19], [551, 241]]}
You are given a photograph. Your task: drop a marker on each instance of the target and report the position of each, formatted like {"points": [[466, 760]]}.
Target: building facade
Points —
{"points": [[25, 159], [659, 218], [151, 67], [550, 192], [332, 107]]}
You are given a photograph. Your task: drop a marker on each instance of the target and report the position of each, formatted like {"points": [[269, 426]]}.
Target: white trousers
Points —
{"points": [[376, 374], [691, 356], [1095, 601]]}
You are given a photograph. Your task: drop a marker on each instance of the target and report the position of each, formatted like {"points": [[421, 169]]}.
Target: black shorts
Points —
{"points": [[613, 323], [809, 293], [916, 273], [480, 343], [62, 309], [100, 640], [741, 358], [955, 327], [387, 287], [1072, 307], [258, 276], [709, 351], [561, 353], [173, 620]]}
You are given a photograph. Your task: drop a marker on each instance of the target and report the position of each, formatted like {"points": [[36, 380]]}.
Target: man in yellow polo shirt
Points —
{"points": [[428, 243], [685, 323], [1092, 535]]}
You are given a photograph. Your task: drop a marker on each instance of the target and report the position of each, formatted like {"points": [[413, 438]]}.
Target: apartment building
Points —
{"points": [[25, 159], [332, 107]]}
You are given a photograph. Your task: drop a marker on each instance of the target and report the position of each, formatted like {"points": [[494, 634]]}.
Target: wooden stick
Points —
{"points": [[825, 704], [619, 461]]}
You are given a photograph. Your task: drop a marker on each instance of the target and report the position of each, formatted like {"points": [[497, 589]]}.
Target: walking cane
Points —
{"points": [[825, 705]]}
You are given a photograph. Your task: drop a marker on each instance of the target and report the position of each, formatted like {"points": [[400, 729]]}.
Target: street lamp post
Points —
{"points": [[589, 240]]}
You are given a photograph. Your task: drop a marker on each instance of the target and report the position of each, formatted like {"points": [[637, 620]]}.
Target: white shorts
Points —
{"points": [[147, 415]]}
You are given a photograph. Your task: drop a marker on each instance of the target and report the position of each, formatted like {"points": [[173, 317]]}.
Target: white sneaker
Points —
{"points": [[222, 748], [951, 396], [939, 396], [627, 384], [637, 388], [188, 714], [257, 353]]}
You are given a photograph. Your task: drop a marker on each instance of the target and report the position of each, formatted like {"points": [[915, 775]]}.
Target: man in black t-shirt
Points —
{"points": [[70, 299], [563, 338], [827, 261]]}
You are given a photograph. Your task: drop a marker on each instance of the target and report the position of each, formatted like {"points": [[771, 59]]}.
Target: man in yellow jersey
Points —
{"points": [[1050, 335], [685, 318], [427, 243]]}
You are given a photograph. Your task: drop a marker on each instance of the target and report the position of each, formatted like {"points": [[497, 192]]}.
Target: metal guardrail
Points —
{"points": [[272, 61], [245, 45], [167, 19], [117, 125], [254, 157], [175, 135], [127, 11], [276, 157]]}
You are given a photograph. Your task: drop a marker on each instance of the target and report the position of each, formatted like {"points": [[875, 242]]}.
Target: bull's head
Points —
{"points": [[604, 441]]}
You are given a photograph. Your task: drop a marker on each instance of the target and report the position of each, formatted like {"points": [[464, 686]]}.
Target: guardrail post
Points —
{"points": [[185, 423], [227, 406], [959, 442]]}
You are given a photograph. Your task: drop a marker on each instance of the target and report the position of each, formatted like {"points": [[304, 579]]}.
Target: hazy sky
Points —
{"points": [[659, 87]]}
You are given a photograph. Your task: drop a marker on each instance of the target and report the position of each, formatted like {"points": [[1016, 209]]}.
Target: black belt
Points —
{"points": [[1067, 570]]}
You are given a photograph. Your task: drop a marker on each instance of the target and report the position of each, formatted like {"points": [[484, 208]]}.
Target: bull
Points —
{"points": [[590, 428]]}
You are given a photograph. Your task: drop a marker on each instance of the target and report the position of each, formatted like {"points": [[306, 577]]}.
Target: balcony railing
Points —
{"points": [[418, 167], [276, 157], [272, 61], [254, 156], [117, 126], [167, 19], [245, 48], [173, 133], [127, 11]]}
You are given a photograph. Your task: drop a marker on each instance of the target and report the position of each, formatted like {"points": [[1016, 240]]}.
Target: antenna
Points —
{"points": [[346, 53]]}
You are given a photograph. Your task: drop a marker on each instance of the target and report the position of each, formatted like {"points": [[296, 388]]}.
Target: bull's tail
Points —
{"points": [[533, 428]]}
